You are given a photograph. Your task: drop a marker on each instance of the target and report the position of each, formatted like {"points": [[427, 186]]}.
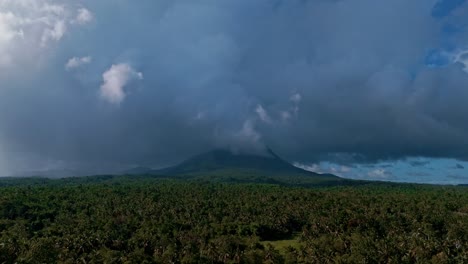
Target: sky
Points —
{"points": [[368, 89]]}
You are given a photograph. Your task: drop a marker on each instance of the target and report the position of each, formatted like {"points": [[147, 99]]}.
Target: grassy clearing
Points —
{"points": [[282, 245]]}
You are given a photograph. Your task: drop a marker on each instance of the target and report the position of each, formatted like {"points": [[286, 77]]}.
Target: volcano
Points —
{"points": [[226, 166]]}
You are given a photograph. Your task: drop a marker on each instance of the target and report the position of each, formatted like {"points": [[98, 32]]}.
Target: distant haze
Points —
{"points": [[103, 85]]}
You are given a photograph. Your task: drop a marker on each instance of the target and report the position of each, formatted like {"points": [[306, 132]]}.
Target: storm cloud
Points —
{"points": [[338, 80]]}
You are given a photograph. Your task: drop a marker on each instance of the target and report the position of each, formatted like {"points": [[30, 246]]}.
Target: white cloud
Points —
{"points": [[293, 111], [54, 33], [249, 133], [338, 170], [84, 16], [76, 62], [115, 79], [8, 32], [378, 174], [24, 23], [263, 114], [462, 57], [285, 116], [296, 98], [312, 167]]}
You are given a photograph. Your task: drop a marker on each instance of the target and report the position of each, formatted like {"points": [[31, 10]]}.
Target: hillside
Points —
{"points": [[226, 166]]}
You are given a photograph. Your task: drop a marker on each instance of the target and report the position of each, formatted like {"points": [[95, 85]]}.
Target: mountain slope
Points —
{"points": [[226, 166], [224, 159]]}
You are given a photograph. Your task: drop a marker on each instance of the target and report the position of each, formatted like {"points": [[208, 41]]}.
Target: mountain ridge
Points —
{"points": [[222, 158]]}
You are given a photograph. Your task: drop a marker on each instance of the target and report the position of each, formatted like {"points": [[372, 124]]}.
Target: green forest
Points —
{"points": [[151, 220]]}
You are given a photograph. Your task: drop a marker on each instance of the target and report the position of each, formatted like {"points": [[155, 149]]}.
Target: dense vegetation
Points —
{"points": [[164, 221]]}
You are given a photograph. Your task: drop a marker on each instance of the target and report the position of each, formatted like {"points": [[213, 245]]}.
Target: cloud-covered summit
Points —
{"points": [[314, 80]]}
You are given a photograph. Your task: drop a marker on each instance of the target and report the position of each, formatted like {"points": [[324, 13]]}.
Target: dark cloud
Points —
{"points": [[338, 80], [444, 7], [418, 163], [458, 177], [418, 174]]}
